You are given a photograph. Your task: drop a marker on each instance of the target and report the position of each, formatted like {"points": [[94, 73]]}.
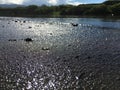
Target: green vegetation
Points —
{"points": [[107, 8]]}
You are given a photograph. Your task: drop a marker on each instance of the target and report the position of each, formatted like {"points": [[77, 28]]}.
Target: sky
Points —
{"points": [[49, 2]]}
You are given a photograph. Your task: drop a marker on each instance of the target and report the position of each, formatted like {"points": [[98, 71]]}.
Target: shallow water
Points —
{"points": [[61, 56]]}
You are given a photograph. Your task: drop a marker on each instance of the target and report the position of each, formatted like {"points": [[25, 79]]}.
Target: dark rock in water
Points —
{"points": [[45, 48], [76, 56], [16, 21], [12, 40], [51, 34], [24, 21], [89, 57], [64, 60], [73, 24], [28, 40], [69, 45], [29, 27]]}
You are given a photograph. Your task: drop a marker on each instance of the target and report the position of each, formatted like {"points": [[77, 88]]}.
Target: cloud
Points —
{"points": [[73, 2], [11, 1], [52, 1], [40, 2]]}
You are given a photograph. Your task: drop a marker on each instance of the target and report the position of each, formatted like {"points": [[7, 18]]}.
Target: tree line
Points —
{"points": [[106, 8]]}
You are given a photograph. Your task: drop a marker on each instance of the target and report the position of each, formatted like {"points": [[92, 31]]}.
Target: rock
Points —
{"points": [[69, 45], [73, 24], [29, 27], [24, 21], [28, 40], [65, 60], [89, 57], [12, 40], [45, 48], [76, 56], [50, 33]]}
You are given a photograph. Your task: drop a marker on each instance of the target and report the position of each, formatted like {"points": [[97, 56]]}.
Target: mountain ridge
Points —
{"points": [[11, 5]]}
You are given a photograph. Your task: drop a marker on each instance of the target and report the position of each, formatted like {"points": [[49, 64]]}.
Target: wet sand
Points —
{"points": [[60, 56]]}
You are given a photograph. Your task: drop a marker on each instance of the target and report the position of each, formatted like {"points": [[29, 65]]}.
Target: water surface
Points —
{"points": [[61, 56]]}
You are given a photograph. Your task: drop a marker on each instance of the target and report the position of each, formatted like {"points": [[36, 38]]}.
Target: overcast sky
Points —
{"points": [[49, 2]]}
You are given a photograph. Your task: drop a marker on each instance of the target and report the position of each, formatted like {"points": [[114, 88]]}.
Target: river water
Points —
{"points": [[60, 56]]}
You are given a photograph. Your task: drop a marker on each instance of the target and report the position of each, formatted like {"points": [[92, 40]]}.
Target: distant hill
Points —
{"points": [[10, 5], [111, 2]]}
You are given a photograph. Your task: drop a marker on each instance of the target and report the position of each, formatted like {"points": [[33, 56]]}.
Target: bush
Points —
{"points": [[116, 9]]}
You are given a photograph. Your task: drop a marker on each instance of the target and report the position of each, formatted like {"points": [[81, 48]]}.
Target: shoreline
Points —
{"points": [[62, 16]]}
